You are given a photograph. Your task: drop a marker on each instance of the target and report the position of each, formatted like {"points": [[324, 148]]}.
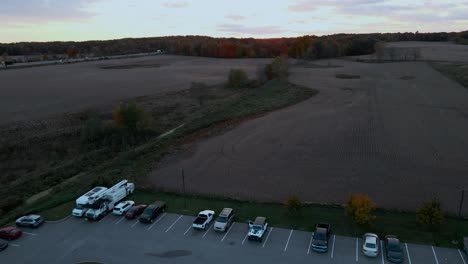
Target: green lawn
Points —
{"points": [[455, 71]]}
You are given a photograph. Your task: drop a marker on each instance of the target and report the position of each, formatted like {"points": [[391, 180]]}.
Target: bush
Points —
{"points": [[237, 78], [360, 207], [277, 69], [430, 214], [293, 203], [92, 131], [128, 115]]}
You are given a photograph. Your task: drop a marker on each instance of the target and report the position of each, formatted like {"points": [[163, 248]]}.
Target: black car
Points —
{"points": [[3, 244], [393, 249], [152, 211]]}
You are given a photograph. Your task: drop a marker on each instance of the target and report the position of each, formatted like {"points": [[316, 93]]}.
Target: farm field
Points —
{"points": [[38, 92], [396, 131]]}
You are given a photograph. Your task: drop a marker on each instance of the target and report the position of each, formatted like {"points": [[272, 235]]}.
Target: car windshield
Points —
{"points": [[394, 247], [221, 219], [319, 236], [370, 245], [80, 206], [148, 211], [257, 227]]}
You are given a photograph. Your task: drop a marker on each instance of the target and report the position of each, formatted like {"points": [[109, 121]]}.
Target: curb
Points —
{"points": [[58, 221]]}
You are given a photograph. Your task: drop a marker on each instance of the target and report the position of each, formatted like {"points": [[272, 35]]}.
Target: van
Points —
{"points": [[224, 220]]}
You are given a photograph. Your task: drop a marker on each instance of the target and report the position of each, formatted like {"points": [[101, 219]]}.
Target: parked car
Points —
{"points": [[224, 220], [10, 233], [203, 219], [135, 211], [257, 228], [370, 245], [320, 237], [393, 250], [32, 221], [122, 207], [3, 244], [152, 211]]}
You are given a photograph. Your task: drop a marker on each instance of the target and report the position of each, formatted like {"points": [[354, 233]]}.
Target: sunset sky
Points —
{"points": [[50, 20]]}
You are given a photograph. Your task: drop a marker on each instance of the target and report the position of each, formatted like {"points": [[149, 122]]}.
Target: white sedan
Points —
{"points": [[370, 246], [123, 207]]}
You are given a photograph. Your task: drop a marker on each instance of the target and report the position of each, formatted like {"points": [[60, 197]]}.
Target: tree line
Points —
{"points": [[309, 47]]}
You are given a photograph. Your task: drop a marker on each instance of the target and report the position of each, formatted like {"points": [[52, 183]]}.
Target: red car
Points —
{"points": [[10, 233], [135, 211]]}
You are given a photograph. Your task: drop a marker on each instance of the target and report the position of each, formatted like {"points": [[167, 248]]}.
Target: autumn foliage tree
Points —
{"points": [[72, 52], [360, 208], [128, 116], [430, 214]]}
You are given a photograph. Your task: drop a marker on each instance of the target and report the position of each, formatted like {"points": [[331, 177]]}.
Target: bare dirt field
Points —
{"points": [[399, 133], [38, 92], [436, 51]]}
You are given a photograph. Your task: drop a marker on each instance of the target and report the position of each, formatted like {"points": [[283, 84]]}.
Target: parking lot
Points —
{"points": [[170, 239]]}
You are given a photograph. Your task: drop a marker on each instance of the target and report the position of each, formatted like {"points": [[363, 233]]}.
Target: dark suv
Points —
{"points": [[152, 211]]}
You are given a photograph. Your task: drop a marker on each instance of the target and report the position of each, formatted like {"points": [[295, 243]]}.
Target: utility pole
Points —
{"points": [[460, 208], [183, 189]]}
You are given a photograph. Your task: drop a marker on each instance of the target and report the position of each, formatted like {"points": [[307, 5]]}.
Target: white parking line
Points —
{"points": [[15, 245], [207, 230], [157, 221], [229, 230], [357, 245], [174, 223], [190, 227], [461, 256], [135, 223], [310, 244], [381, 251], [435, 256], [407, 252], [287, 243], [31, 234], [333, 246], [245, 238], [122, 218], [266, 240]]}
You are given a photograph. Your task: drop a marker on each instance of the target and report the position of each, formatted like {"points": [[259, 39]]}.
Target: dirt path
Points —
{"points": [[400, 141]]}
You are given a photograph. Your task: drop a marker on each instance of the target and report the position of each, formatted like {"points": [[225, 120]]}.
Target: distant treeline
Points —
{"points": [[300, 47]]}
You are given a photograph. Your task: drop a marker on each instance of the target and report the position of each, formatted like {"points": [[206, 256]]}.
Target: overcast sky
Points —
{"points": [[49, 20]]}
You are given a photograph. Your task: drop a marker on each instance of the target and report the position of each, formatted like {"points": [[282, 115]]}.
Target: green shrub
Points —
{"points": [[237, 78], [293, 203], [91, 131], [277, 69]]}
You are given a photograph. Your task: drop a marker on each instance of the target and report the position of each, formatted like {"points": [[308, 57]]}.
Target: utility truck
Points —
{"points": [[85, 201], [106, 202]]}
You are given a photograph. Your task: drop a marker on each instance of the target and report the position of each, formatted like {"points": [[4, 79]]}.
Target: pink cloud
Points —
{"points": [[236, 17], [176, 4]]}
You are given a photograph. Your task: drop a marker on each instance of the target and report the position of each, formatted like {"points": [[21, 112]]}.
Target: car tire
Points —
{"points": [[31, 226]]}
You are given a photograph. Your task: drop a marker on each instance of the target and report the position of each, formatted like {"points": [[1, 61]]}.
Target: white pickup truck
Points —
{"points": [[257, 228], [203, 220]]}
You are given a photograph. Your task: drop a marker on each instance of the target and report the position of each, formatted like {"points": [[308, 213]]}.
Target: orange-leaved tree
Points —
{"points": [[360, 207]]}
